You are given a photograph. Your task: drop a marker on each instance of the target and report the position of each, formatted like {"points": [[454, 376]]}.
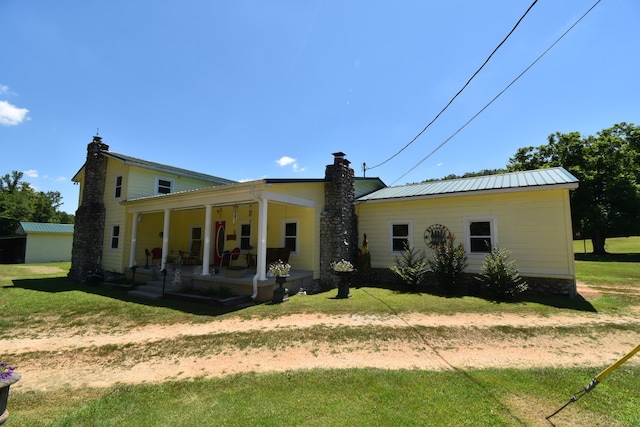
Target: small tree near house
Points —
{"points": [[448, 264], [411, 267], [500, 276]]}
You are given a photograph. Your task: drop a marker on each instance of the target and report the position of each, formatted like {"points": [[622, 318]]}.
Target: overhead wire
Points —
{"points": [[499, 94], [460, 91]]}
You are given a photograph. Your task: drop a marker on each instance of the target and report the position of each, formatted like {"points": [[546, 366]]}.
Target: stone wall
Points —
{"points": [[338, 223], [88, 235]]}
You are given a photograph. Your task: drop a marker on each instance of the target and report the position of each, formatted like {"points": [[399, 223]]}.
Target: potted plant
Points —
{"points": [[7, 377], [280, 270], [344, 269]]}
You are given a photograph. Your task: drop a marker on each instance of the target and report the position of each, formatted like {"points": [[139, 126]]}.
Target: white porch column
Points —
{"points": [[134, 235], [165, 238], [261, 257], [206, 253]]}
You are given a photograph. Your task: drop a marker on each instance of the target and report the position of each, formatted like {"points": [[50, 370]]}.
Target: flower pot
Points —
{"points": [[4, 395], [280, 294], [344, 283]]}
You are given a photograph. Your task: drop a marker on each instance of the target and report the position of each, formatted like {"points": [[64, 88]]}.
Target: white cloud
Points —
{"points": [[31, 173], [297, 168], [285, 160], [4, 89], [10, 115]]}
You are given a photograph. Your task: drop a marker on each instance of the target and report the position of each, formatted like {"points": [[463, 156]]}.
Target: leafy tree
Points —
{"points": [[608, 166], [19, 202]]}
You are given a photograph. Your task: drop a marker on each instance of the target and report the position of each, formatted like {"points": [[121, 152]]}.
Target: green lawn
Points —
{"points": [[34, 300]]}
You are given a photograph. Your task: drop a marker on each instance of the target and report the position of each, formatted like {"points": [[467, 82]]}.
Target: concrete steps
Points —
{"points": [[152, 290]]}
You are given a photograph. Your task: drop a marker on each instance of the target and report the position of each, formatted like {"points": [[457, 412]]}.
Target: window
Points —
{"points": [[115, 237], [196, 237], [118, 187], [480, 234], [164, 186], [291, 235], [245, 236], [399, 235]]}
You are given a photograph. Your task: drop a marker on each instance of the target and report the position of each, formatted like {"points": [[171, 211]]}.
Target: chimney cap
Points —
{"points": [[338, 154]]}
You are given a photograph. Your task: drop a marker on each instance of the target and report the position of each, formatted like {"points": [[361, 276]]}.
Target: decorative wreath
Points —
{"points": [[436, 234]]}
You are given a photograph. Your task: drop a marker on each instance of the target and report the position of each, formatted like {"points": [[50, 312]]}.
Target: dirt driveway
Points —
{"points": [[83, 358]]}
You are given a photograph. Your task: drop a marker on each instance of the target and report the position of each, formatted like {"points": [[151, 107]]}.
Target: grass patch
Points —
{"points": [[38, 298], [355, 397]]}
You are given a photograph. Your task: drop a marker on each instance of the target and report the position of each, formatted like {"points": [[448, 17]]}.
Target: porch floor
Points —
{"points": [[190, 277]]}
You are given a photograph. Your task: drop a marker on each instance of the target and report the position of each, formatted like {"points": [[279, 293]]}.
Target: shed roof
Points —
{"points": [[514, 181], [42, 227]]}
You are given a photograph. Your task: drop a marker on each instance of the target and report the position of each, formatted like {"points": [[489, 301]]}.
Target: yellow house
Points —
{"points": [[140, 215], [527, 213]]}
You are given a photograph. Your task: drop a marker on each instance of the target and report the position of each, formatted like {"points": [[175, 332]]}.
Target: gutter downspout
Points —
{"points": [[262, 242]]}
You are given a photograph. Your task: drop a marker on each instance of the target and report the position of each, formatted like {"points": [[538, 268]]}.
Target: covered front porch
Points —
{"points": [[236, 225]]}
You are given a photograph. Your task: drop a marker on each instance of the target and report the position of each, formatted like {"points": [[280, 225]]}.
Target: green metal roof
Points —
{"points": [[41, 227], [133, 161], [552, 177], [159, 167]]}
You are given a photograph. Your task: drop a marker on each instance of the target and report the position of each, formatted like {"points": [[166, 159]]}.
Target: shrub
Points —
{"points": [[500, 276], [411, 267], [448, 263]]}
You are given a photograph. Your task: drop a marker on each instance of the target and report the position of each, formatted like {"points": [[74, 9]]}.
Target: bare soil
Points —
{"points": [[78, 358]]}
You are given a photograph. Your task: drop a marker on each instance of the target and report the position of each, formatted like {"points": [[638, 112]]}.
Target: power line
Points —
{"points": [[499, 94], [459, 92]]}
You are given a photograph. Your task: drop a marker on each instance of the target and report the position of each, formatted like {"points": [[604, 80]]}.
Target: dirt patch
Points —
{"points": [[77, 357], [83, 360]]}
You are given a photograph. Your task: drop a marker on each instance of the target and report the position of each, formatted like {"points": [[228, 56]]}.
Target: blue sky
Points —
{"points": [[247, 89]]}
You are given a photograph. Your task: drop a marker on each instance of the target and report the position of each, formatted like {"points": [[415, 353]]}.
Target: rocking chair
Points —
{"points": [[191, 257]]}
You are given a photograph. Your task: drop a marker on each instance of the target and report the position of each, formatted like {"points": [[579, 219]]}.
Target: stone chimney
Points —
{"points": [[88, 234], [338, 223]]}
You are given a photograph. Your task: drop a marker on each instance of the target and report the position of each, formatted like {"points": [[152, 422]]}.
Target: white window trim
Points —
{"points": [[390, 225], [492, 219], [191, 239], [112, 236], [283, 230], [115, 187], [250, 236], [157, 184]]}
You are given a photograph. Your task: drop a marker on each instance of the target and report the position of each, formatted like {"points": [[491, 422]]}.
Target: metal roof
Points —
{"points": [[494, 183], [159, 167], [128, 160], [41, 227]]}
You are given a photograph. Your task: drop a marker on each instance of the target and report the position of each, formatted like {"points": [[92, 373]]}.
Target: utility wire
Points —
{"points": [[459, 92], [499, 94]]}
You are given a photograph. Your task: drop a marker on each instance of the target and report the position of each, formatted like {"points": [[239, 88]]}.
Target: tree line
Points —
{"points": [[607, 201], [20, 202]]}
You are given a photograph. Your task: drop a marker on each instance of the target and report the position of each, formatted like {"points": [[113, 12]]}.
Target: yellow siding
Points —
{"points": [[114, 259], [535, 226], [308, 257], [142, 182]]}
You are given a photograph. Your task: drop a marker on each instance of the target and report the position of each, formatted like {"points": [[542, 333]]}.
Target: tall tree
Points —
{"points": [[20, 202], [608, 167]]}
